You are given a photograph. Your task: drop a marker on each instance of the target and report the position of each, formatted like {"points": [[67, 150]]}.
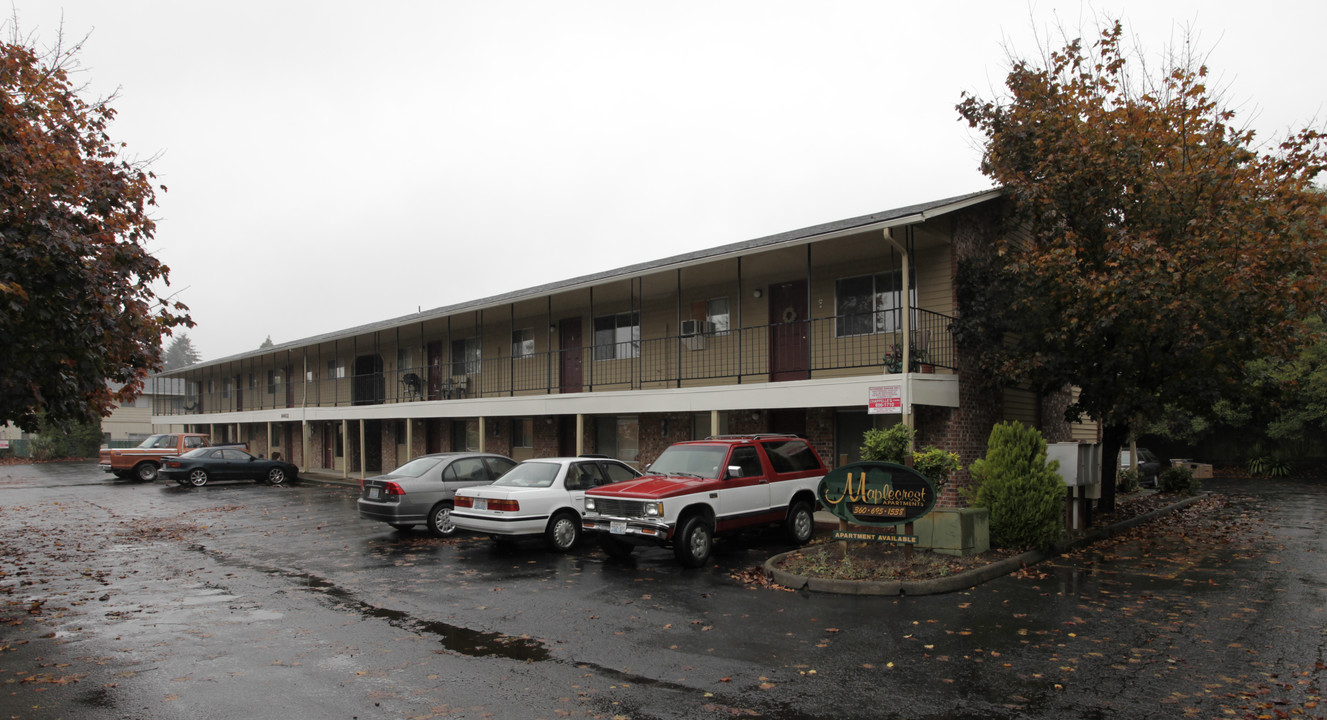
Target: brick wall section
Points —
{"points": [[820, 433], [1053, 425], [498, 436], [389, 460], [546, 437], [964, 429], [653, 441]]}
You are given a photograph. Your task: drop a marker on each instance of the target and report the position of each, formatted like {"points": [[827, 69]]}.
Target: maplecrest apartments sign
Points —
{"points": [[876, 494]]}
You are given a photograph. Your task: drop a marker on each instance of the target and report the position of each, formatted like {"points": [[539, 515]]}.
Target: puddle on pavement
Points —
{"points": [[464, 641]]}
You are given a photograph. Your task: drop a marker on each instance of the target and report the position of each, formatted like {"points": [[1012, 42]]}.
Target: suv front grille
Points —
{"points": [[619, 508]]}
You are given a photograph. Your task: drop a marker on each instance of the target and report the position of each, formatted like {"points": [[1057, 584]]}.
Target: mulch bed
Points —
{"points": [[827, 558]]}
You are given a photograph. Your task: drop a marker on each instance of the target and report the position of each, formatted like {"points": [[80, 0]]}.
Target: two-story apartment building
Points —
{"points": [[824, 331]]}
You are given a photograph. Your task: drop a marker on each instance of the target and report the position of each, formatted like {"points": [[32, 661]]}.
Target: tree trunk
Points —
{"points": [[1112, 439]]}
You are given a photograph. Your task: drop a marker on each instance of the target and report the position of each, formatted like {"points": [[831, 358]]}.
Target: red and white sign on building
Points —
{"points": [[885, 400]]}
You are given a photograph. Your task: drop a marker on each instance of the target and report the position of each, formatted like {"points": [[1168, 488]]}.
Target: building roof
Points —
{"points": [[889, 218]]}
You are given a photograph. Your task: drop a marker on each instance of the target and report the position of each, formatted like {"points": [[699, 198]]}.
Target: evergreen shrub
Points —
{"points": [[1022, 491], [1178, 478]]}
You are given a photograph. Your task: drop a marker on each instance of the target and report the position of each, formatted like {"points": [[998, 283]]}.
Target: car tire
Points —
{"points": [[440, 520], [402, 527], [276, 476], [563, 532], [198, 477], [145, 471], [693, 542], [800, 524], [615, 548]]}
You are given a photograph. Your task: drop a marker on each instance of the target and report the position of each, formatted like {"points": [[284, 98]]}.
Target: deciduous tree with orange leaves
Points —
{"points": [[1152, 248], [78, 302]]}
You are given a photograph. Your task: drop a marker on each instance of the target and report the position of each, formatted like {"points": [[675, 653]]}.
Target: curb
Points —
{"points": [[963, 580]]}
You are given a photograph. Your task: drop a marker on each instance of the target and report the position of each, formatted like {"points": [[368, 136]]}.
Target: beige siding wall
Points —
{"points": [[1022, 405]]}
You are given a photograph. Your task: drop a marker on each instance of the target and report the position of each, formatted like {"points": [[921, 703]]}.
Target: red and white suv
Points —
{"points": [[704, 488]]}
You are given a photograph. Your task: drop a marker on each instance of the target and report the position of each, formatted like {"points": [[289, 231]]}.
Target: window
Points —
{"points": [[522, 343], [791, 456], [716, 314], [253, 381], [335, 369], [211, 387], [617, 337], [310, 375], [616, 472], [466, 356], [870, 303], [404, 360], [228, 388], [522, 432], [273, 381], [747, 462], [467, 469]]}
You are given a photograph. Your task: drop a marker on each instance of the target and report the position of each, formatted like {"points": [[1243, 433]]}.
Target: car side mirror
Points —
{"points": [[734, 471]]}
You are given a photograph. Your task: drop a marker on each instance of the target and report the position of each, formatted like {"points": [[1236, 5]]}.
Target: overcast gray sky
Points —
{"points": [[336, 163]]}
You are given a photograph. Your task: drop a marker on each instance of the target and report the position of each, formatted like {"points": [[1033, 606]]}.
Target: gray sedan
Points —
{"points": [[422, 490]]}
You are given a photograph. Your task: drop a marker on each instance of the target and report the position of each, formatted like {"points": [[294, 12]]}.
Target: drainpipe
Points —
{"points": [[908, 418]]}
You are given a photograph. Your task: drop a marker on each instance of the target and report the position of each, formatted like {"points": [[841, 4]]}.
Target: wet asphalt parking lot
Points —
{"points": [[144, 601]]}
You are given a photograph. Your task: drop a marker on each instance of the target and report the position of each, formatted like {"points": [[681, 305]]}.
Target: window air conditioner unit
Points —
{"points": [[691, 334]]}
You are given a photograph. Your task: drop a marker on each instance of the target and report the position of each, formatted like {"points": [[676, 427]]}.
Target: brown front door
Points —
{"points": [[569, 340], [788, 328]]}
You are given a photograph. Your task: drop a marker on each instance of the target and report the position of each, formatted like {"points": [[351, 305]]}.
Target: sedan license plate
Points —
{"points": [[481, 504], [374, 493], [617, 527]]}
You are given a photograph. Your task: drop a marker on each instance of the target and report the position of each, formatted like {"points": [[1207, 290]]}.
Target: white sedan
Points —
{"points": [[545, 496]]}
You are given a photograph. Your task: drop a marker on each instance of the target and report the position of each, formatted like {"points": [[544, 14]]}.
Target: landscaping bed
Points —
{"points": [[871, 562]]}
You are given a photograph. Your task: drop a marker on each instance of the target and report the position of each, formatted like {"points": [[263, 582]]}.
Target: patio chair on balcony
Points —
{"points": [[414, 387]]}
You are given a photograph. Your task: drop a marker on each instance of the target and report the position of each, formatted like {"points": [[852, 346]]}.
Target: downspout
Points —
{"points": [[908, 418]]}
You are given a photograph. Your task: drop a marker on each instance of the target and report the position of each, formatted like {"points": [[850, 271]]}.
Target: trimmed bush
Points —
{"points": [[1127, 480], [1022, 491], [1178, 478], [890, 445], [937, 465]]}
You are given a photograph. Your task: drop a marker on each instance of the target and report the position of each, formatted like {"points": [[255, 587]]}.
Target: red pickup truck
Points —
{"points": [[144, 461], [700, 489]]}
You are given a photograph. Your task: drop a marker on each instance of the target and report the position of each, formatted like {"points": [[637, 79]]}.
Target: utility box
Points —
{"points": [[1080, 468], [1080, 463]]}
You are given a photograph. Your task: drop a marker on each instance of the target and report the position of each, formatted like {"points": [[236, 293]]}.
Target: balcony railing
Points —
{"points": [[824, 347]]}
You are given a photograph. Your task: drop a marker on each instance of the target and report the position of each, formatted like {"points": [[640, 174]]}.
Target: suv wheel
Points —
{"points": [[800, 524], [692, 545]]}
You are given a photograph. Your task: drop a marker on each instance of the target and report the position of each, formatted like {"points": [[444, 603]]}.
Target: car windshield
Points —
{"points": [[530, 475], [415, 467], [700, 461], [198, 452]]}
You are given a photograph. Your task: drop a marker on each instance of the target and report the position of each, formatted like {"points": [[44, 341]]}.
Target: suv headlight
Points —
{"points": [[654, 510], [589, 503]]}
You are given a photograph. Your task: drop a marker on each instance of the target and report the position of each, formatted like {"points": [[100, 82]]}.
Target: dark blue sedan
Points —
{"points": [[198, 467]]}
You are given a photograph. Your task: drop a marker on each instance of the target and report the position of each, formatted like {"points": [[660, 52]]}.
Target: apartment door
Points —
{"points": [[569, 340], [788, 329]]}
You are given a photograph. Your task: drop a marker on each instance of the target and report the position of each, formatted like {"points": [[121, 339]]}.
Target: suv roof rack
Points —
{"points": [[753, 436]]}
